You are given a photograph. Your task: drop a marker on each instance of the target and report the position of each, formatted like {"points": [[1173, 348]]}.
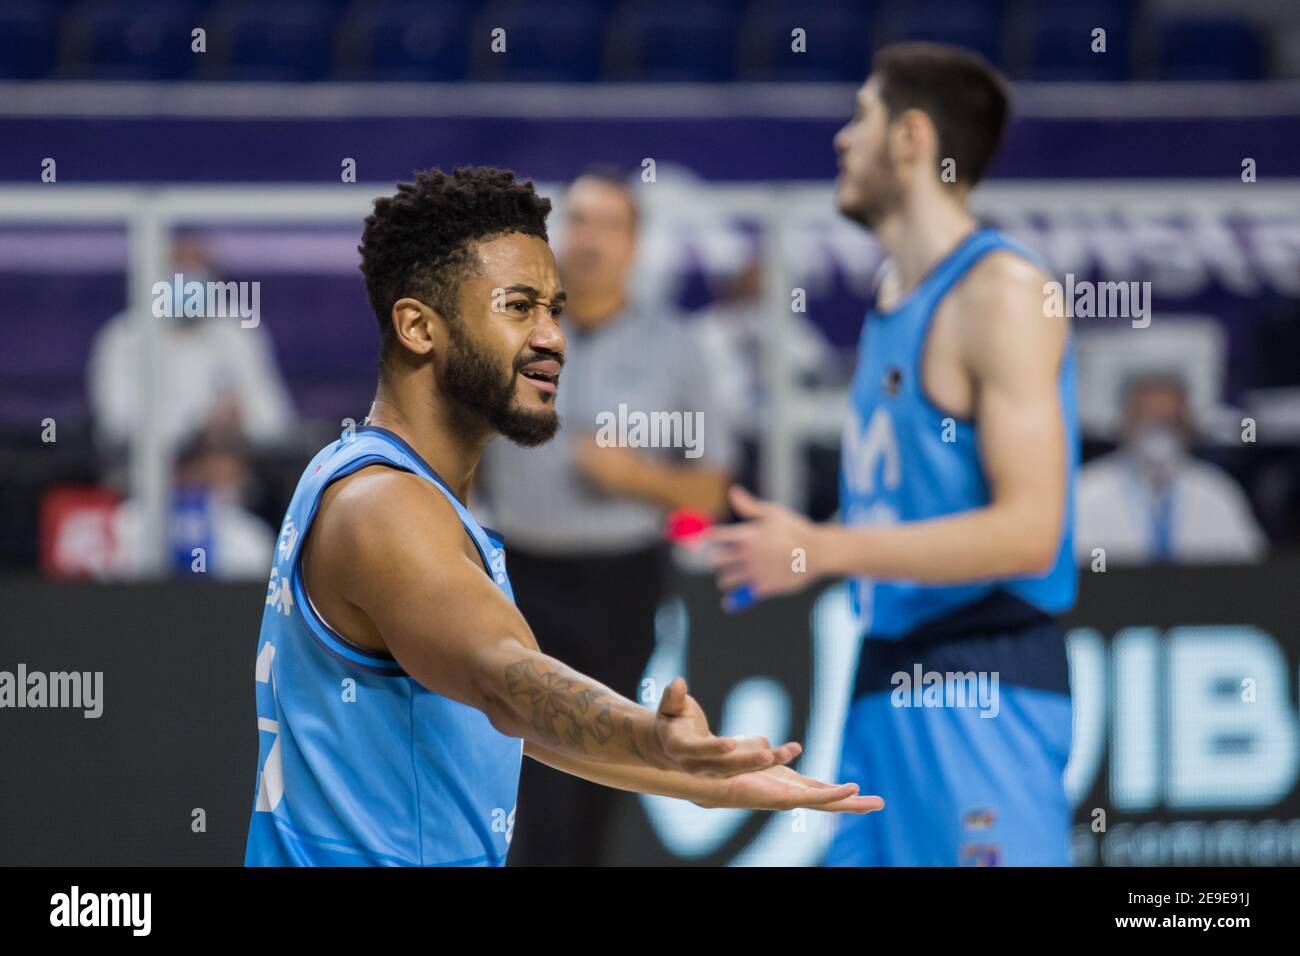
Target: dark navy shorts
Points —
{"points": [[963, 727]]}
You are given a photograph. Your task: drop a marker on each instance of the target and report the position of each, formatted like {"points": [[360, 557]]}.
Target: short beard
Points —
{"points": [[479, 386], [883, 200], [870, 211]]}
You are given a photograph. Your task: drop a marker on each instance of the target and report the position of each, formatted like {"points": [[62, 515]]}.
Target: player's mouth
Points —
{"points": [[545, 375]]}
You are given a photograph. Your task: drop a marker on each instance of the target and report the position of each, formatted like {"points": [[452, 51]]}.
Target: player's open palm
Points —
{"points": [[687, 744], [780, 788]]}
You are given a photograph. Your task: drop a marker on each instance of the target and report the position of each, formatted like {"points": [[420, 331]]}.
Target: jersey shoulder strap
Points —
{"points": [[968, 252], [489, 545], [369, 445]]}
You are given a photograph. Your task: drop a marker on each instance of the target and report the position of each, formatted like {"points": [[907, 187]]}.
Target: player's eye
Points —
{"points": [[557, 311], [519, 305]]}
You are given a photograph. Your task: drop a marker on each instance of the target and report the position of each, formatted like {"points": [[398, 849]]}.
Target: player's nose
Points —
{"points": [[547, 335]]}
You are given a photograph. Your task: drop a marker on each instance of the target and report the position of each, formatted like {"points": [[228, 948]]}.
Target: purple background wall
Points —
{"points": [[744, 148]]}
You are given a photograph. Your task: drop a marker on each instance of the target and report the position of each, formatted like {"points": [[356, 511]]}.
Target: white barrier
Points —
{"points": [[784, 212]]}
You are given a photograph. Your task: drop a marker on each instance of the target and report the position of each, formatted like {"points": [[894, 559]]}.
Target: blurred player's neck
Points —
{"points": [[404, 403], [928, 226]]}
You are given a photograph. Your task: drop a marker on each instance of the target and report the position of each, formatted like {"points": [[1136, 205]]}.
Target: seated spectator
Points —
{"points": [[216, 372], [209, 530], [1151, 500]]}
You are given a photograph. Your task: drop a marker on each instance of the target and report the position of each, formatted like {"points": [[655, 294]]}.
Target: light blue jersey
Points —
{"points": [[904, 459], [358, 763], [969, 780]]}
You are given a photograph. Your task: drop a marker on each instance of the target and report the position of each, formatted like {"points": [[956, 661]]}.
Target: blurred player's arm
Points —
{"points": [[393, 549], [1012, 353], [776, 788], [633, 472], [697, 483]]}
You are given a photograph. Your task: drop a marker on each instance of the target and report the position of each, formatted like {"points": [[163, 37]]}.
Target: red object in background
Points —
{"points": [[687, 536], [687, 524], [77, 536]]}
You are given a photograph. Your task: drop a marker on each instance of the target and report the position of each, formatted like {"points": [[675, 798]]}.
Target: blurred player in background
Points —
{"points": [[398, 687], [585, 521], [959, 456]]}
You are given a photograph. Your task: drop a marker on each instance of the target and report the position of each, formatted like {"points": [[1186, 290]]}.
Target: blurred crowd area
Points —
{"points": [[664, 41], [1191, 424]]}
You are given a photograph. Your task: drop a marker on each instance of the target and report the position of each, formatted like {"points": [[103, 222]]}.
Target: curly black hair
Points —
{"points": [[420, 242]]}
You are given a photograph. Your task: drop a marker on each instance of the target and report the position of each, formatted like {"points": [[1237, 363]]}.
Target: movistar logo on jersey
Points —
{"points": [[871, 451]]}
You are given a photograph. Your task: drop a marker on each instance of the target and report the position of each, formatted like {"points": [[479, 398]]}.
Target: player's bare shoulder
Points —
{"points": [[367, 524], [1004, 278], [379, 512], [1002, 300]]}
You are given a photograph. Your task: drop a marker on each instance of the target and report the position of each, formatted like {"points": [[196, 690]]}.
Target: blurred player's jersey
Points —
{"points": [[358, 763], [904, 459], [961, 711]]}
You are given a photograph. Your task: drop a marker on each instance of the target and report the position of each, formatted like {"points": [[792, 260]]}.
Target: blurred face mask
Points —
{"points": [[1159, 448], [180, 319]]}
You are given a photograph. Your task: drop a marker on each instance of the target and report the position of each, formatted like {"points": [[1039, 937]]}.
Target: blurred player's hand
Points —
{"points": [[687, 744], [780, 788], [771, 553], [611, 468]]}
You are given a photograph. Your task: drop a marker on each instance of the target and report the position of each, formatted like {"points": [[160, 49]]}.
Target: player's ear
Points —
{"points": [[908, 134], [416, 327]]}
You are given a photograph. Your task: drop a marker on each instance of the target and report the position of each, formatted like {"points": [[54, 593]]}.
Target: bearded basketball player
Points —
{"points": [[957, 477], [398, 688]]}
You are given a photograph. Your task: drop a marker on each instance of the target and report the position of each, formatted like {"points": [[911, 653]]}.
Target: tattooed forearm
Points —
{"points": [[570, 710], [563, 708], [633, 749]]}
